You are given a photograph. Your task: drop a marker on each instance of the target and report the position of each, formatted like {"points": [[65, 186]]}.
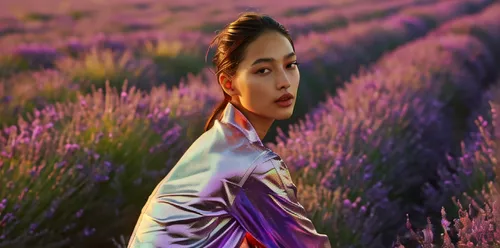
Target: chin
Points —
{"points": [[284, 114]]}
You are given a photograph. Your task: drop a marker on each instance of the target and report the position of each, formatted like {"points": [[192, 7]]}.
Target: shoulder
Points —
{"points": [[271, 176], [226, 150], [221, 159]]}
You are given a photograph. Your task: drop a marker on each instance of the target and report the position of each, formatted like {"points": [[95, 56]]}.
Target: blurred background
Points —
{"points": [[392, 142]]}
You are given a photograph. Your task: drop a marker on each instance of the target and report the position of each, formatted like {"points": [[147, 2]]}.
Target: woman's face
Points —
{"points": [[267, 71]]}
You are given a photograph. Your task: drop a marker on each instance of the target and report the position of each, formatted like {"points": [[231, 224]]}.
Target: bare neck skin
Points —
{"points": [[260, 124]]}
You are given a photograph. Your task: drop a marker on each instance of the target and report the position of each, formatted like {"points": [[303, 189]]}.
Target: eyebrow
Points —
{"points": [[272, 59]]}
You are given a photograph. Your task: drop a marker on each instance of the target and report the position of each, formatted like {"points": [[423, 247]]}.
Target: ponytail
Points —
{"points": [[216, 113]]}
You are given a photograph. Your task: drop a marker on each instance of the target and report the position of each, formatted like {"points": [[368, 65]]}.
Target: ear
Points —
{"points": [[227, 84]]}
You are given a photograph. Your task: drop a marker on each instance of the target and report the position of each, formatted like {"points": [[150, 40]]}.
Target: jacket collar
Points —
{"points": [[232, 116]]}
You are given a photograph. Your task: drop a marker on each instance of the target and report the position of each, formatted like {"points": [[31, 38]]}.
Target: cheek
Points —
{"points": [[256, 91], [294, 81]]}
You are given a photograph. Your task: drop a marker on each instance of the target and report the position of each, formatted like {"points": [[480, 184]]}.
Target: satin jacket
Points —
{"points": [[226, 185]]}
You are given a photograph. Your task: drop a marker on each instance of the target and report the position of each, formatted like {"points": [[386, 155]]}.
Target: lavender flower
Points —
{"points": [[27, 57], [331, 58], [485, 27], [89, 156], [37, 56], [399, 134], [33, 91], [10, 26]]}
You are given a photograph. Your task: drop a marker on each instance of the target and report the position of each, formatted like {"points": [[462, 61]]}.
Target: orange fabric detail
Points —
{"points": [[253, 242]]}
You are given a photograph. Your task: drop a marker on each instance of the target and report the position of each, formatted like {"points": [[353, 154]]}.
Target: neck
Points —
{"points": [[260, 124]]}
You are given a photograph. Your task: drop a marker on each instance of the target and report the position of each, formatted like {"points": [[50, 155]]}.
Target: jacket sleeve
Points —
{"points": [[267, 208]]}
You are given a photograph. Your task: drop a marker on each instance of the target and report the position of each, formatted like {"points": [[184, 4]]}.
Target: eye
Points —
{"points": [[294, 63], [262, 71]]}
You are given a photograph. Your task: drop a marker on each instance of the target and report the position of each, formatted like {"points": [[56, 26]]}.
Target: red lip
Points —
{"points": [[285, 97]]}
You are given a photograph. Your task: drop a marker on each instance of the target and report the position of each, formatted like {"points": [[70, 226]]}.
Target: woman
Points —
{"points": [[228, 189]]}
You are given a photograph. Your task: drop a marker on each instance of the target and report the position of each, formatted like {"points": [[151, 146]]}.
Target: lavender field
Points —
{"points": [[392, 142]]}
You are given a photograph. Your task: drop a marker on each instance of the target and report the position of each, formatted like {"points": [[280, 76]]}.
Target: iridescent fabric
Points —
{"points": [[226, 185]]}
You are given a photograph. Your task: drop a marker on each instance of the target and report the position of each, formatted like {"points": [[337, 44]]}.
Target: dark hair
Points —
{"points": [[231, 44]]}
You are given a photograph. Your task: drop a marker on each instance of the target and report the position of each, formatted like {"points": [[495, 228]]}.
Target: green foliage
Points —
{"points": [[38, 16], [99, 66]]}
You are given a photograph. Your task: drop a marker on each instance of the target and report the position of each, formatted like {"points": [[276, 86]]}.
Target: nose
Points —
{"points": [[282, 80]]}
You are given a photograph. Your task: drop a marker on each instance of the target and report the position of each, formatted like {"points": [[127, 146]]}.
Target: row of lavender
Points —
{"points": [[339, 54], [301, 17], [326, 19], [146, 59], [89, 65], [44, 56], [114, 58], [74, 165], [476, 225], [420, 134]]}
